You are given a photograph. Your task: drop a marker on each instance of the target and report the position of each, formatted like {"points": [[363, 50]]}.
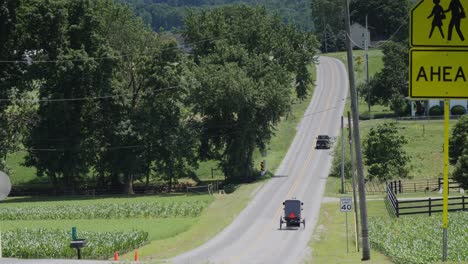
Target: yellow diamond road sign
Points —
{"points": [[439, 23], [438, 73]]}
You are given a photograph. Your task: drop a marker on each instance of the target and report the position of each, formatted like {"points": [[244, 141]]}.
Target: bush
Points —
{"points": [[229, 188], [436, 110], [458, 110], [381, 115]]}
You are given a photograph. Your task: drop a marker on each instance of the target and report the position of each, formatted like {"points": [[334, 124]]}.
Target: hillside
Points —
{"points": [[168, 14]]}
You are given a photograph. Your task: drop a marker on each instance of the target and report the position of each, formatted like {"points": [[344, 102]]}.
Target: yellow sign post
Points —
{"points": [[439, 66]]}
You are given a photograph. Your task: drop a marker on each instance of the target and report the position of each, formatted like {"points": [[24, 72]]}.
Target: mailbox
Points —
{"points": [[78, 244]]}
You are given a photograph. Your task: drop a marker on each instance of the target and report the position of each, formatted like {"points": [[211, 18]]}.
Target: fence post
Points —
{"points": [[463, 202], [395, 186], [399, 186], [430, 207], [439, 182], [397, 207], [414, 187]]}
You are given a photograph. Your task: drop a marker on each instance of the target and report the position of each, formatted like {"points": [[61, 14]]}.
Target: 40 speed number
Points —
{"points": [[346, 204]]}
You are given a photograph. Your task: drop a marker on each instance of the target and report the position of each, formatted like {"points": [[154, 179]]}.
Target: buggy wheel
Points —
{"points": [[281, 223], [303, 222]]}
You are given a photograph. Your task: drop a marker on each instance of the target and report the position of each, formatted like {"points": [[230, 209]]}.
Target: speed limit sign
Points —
{"points": [[345, 204]]}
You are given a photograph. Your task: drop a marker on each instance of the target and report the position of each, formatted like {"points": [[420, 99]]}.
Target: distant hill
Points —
{"points": [[168, 14]]}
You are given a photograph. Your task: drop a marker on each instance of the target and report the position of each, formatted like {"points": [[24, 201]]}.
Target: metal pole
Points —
{"points": [[445, 185], [347, 246], [342, 155], [366, 44], [357, 141], [353, 177]]}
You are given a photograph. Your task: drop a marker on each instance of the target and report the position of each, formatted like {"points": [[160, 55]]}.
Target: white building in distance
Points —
{"points": [[358, 36]]}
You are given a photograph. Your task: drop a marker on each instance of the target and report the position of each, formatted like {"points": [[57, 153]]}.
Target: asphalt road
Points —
{"points": [[254, 236]]}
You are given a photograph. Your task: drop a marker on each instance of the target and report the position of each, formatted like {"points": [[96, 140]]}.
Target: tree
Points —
{"points": [[244, 60], [9, 74], [458, 140], [384, 154], [388, 20], [390, 86], [460, 174], [169, 14], [67, 33], [329, 28], [147, 130]]}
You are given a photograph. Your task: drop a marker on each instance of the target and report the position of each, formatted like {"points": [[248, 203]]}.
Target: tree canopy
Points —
{"points": [[384, 154], [458, 139], [245, 59], [169, 14], [387, 20], [390, 86], [96, 97]]}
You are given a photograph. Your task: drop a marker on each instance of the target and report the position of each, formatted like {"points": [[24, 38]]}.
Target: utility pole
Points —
{"points": [[366, 45], [353, 178], [342, 155], [357, 141]]}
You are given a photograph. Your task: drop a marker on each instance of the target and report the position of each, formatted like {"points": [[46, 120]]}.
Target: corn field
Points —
{"points": [[418, 239], [46, 243], [104, 211]]}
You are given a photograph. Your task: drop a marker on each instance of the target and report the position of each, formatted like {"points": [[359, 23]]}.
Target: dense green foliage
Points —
{"points": [[384, 154], [458, 110], [9, 74], [103, 100], [436, 110], [169, 14], [328, 17], [44, 243], [458, 151], [390, 86], [387, 20], [244, 59], [418, 239], [105, 211], [460, 173], [458, 139]]}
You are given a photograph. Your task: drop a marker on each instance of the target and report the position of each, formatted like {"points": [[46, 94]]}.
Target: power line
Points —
{"points": [[30, 60], [89, 98]]}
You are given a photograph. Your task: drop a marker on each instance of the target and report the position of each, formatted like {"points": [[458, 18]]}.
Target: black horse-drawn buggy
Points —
{"points": [[292, 214]]}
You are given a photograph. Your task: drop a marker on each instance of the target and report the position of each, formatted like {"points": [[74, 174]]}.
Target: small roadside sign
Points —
{"points": [[346, 204]]}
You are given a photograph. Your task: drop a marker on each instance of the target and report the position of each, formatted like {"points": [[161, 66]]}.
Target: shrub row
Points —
{"points": [[456, 110], [45, 243], [105, 211], [418, 240]]}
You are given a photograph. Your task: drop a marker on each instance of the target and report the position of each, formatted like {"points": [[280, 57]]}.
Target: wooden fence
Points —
{"points": [[398, 207], [406, 186]]}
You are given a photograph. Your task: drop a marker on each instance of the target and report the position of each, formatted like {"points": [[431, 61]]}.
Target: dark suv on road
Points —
{"points": [[323, 142]]}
